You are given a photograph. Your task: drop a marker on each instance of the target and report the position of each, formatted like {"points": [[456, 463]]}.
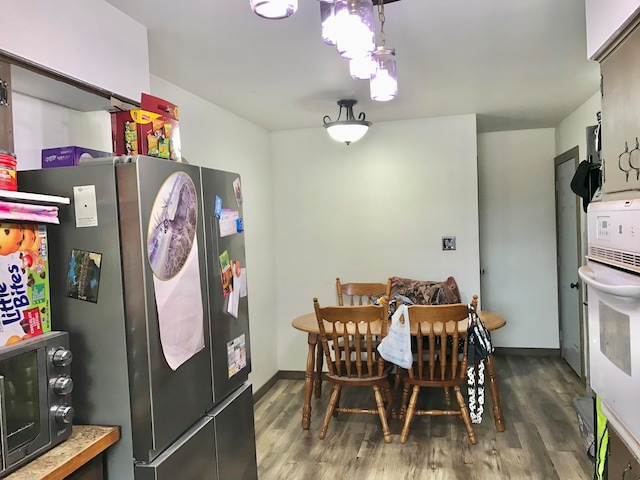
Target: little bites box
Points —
{"points": [[24, 282]]}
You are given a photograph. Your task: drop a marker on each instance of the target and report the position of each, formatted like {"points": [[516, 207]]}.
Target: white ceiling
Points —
{"points": [[516, 63]]}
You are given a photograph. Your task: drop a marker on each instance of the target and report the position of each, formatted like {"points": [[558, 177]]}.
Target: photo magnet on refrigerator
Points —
{"points": [[218, 209]]}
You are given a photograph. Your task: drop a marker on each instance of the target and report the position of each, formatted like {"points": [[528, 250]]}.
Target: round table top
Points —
{"points": [[308, 323]]}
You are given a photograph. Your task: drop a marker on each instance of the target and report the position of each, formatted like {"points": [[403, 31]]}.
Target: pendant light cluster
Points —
{"points": [[349, 26]]}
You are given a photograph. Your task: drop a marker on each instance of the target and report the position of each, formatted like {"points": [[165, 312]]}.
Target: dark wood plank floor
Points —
{"points": [[541, 441]]}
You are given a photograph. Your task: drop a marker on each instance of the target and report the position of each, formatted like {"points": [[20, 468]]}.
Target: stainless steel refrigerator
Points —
{"points": [[148, 276]]}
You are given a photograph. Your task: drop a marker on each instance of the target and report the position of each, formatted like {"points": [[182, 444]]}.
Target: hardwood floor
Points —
{"points": [[541, 441]]}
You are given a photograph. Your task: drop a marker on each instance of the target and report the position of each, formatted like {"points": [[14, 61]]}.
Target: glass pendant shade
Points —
{"points": [[355, 36], [384, 80], [274, 9], [327, 19], [362, 68], [350, 129], [347, 132]]}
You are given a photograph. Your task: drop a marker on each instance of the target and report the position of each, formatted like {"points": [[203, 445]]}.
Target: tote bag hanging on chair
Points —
{"points": [[478, 349], [396, 346]]}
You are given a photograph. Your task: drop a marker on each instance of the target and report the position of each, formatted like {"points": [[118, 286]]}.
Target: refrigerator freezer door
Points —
{"points": [[227, 331], [192, 457], [120, 374], [236, 436], [165, 402]]}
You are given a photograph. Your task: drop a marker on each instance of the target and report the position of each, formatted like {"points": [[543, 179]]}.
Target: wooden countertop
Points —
{"points": [[85, 443]]}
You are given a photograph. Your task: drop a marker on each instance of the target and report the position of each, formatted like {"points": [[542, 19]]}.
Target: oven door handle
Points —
{"points": [[626, 291]]}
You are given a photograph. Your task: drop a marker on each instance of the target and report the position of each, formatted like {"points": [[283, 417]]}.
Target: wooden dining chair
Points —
{"points": [[359, 293], [358, 364], [355, 293], [440, 360]]}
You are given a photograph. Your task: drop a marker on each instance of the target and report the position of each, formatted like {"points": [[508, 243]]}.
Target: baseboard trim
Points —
{"points": [[291, 374], [259, 393], [532, 352]]}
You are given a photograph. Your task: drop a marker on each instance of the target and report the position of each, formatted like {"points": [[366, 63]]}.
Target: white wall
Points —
{"points": [[572, 130], [605, 20], [213, 137], [367, 211], [38, 124], [518, 239], [90, 41]]}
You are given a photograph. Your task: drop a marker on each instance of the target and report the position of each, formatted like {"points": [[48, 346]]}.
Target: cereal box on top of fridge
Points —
{"points": [[24, 282]]}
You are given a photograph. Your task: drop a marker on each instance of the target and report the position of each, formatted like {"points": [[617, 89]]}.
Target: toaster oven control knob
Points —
{"points": [[63, 413], [62, 357], [63, 385]]}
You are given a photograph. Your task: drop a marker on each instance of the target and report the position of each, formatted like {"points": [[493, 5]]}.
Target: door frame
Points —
{"points": [[573, 153]]}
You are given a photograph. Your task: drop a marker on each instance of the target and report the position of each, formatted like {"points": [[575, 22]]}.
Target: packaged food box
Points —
{"points": [[24, 282], [69, 156], [153, 130]]}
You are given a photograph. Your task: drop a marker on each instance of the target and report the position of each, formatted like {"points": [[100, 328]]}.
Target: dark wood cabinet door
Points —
{"points": [[621, 460], [93, 470]]}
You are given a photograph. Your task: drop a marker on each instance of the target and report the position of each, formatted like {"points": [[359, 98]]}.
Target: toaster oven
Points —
{"points": [[35, 398]]}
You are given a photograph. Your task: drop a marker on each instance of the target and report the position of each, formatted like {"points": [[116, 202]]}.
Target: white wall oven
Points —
{"points": [[612, 275]]}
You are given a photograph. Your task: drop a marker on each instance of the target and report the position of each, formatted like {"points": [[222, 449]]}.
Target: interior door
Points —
{"points": [[568, 248]]}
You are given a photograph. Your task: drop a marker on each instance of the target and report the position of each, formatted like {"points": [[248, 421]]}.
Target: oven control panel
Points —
{"points": [[614, 233]]}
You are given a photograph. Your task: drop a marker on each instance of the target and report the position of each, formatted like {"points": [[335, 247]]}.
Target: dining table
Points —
{"points": [[309, 324]]}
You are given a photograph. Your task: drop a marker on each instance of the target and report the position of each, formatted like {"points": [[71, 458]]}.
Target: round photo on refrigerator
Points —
{"points": [[172, 225]]}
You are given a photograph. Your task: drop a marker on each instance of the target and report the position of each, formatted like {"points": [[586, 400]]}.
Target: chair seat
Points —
{"points": [[351, 381]]}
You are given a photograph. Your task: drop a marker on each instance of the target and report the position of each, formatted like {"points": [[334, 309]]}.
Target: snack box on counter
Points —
{"points": [[153, 130], [24, 282], [69, 156]]}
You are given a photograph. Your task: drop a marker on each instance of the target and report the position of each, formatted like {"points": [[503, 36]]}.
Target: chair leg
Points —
{"points": [[335, 410], [405, 400], [382, 413], [466, 418], [318, 375], [330, 408], [398, 377], [390, 403], [410, 411]]}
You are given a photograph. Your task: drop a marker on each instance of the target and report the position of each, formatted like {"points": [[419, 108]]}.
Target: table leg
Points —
{"points": [[318, 371], [312, 340], [495, 395]]}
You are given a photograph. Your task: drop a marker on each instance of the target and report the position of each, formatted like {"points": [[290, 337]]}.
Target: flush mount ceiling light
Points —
{"points": [[347, 130], [274, 9]]}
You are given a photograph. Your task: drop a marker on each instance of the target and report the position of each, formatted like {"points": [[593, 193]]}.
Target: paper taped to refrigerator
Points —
{"points": [[173, 257], [228, 222]]}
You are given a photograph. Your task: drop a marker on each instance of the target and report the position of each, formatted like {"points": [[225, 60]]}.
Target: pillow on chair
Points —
{"points": [[426, 292]]}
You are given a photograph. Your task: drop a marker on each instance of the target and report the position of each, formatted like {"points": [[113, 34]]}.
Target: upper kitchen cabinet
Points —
{"points": [[89, 41], [606, 20], [621, 117]]}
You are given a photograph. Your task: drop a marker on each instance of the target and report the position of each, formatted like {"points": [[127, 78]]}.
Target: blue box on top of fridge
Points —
{"points": [[69, 156]]}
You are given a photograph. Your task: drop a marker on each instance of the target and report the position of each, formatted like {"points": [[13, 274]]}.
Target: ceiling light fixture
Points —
{"points": [[347, 130], [384, 80], [274, 9], [353, 27]]}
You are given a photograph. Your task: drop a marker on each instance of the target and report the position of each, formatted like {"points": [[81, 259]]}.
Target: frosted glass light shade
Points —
{"points": [[384, 80], [355, 36], [362, 68], [274, 9], [328, 20], [347, 131]]}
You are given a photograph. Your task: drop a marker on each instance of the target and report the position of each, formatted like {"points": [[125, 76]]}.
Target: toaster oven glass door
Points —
{"points": [[22, 398]]}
